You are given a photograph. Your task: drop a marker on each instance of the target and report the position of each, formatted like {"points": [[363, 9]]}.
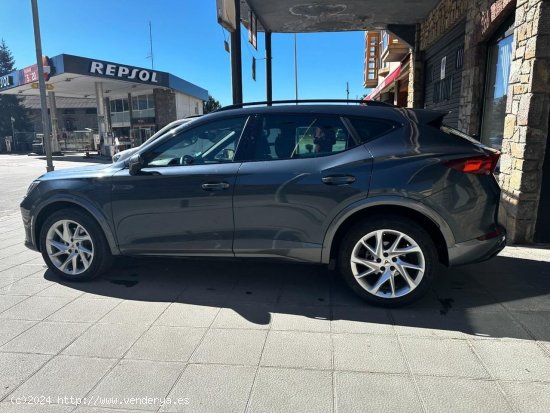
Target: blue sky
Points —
{"points": [[188, 42]]}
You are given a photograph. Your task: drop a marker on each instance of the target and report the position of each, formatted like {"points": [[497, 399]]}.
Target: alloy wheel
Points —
{"points": [[69, 247], [387, 263]]}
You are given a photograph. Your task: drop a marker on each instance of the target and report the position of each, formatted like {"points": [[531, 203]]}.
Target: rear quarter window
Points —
{"points": [[370, 128]]}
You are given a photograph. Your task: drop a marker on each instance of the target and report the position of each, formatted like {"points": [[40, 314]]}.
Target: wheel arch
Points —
{"points": [[44, 210], [436, 227]]}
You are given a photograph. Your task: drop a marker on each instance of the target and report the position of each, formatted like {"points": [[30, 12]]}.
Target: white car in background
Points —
{"points": [[122, 155]]}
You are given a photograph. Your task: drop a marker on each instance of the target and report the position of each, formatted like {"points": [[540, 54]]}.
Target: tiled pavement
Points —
{"points": [[255, 337]]}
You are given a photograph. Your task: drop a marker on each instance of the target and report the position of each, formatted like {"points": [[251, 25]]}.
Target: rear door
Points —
{"points": [[298, 171]]}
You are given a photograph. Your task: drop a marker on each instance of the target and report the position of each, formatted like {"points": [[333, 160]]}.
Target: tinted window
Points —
{"points": [[210, 143], [369, 128], [284, 136]]}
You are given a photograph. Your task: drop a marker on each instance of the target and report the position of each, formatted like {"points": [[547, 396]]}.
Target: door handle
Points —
{"points": [[216, 186], [338, 179]]}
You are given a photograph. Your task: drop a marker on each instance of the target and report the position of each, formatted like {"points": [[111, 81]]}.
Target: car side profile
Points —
{"points": [[385, 194]]}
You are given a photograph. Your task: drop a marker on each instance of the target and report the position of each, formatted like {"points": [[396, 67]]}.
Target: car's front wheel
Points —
{"points": [[73, 245], [388, 261]]}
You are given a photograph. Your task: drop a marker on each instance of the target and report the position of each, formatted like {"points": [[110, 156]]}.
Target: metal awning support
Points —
{"points": [[268, 67], [236, 59]]}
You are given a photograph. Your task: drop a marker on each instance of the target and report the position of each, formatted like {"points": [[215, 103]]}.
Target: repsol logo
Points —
{"points": [[6, 81], [123, 72]]}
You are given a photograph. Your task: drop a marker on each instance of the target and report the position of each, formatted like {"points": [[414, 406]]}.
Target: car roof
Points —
{"points": [[385, 112]]}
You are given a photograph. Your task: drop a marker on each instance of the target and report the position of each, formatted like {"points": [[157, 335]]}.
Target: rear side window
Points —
{"points": [[288, 136], [369, 128]]}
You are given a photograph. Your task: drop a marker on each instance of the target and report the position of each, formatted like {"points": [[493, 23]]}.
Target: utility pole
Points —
{"points": [[151, 46], [347, 90], [42, 86]]}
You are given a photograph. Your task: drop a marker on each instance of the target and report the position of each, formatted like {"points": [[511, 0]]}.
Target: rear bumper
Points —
{"points": [[475, 250]]}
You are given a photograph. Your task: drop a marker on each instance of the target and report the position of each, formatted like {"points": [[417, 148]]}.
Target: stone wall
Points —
{"points": [[440, 20], [526, 124]]}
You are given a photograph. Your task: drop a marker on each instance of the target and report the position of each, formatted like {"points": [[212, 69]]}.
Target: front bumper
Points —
{"points": [[30, 242], [475, 250]]}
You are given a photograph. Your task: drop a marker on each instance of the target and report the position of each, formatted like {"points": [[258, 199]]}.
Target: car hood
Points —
{"points": [[90, 171], [127, 153]]}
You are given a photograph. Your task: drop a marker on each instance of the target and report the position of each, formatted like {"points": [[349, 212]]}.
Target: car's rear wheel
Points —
{"points": [[73, 245], [388, 260]]}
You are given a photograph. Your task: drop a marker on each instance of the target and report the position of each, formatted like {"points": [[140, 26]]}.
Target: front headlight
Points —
{"points": [[33, 185]]}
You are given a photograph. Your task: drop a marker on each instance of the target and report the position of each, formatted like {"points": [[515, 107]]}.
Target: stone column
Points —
{"points": [[527, 119]]}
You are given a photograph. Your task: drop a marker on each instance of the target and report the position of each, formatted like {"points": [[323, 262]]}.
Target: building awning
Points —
{"points": [[386, 83], [291, 16]]}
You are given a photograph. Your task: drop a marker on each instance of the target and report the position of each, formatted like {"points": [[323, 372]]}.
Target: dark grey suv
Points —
{"points": [[387, 194]]}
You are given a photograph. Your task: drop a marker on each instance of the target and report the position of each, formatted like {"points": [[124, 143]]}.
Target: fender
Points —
{"points": [[85, 204], [384, 200]]}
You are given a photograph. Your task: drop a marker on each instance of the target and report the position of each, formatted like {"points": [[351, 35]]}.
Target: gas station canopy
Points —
{"points": [[75, 76]]}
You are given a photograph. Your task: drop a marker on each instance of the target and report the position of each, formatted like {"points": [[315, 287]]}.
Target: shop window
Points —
{"points": [[91, 111], [499, 58], [68, 111]]}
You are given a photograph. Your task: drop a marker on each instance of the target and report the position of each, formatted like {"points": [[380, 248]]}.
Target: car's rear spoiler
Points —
{"points": [[427, 116]]}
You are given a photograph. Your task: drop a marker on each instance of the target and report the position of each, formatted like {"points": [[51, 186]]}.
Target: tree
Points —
{"points": [[210, 105], [10, 105]]}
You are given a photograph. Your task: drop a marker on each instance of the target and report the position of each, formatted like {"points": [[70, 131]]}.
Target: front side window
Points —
{"points": [[284, 136], [214, 142]]}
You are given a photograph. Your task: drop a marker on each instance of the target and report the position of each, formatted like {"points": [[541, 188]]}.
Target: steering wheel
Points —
{"points": [[186, 160]]}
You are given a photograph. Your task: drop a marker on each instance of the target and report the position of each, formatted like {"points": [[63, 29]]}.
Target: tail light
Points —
{"points": [[480, 165]]}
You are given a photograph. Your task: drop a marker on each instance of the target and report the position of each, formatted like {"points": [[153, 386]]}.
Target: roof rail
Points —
{"points": [[283, 102]]}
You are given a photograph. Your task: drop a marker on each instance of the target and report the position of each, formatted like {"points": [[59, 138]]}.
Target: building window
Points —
{"points": [[68, 111], [91, 111], [143, 106], [499, 59]]}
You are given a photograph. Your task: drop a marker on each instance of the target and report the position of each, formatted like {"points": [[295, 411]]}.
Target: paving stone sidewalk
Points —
{"points": [[232, 336]]}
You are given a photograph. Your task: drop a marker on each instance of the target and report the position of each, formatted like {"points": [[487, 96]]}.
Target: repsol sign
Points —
{"points": [[123, 72], [6, 81]]}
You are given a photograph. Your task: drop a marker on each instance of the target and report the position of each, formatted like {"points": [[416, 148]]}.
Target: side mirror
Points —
{"points": [[135, 163]]}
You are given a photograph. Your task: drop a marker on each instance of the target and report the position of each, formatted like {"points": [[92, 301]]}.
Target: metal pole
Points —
{"points": [[151, 44], [236, 60], [295, 69], [13, 133], [42, 85], [268, 68]]}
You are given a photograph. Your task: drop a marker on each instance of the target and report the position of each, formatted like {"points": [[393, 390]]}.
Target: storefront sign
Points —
{"points": [[123, 72], [6, 81]]}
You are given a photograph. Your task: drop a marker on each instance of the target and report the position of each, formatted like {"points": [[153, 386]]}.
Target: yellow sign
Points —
{"points": [[36, 86]]}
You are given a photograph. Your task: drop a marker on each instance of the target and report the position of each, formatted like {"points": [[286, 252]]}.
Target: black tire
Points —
{"points": [[395, 223], [102, 258]]}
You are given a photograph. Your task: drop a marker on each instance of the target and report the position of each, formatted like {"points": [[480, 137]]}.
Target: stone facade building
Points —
{"points": [[488, 63]]}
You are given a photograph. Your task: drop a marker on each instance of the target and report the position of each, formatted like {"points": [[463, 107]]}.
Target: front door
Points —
{"points": [[297, 173], [181, 202]]}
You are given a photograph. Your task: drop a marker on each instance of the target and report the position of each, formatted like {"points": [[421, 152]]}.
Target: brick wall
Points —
{"points": [[165, 107]]}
